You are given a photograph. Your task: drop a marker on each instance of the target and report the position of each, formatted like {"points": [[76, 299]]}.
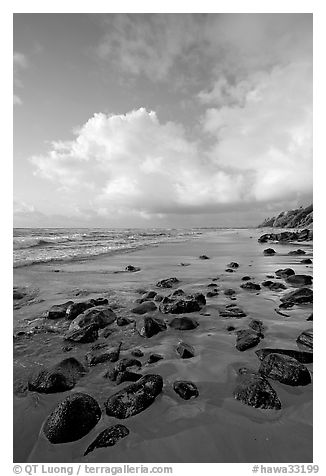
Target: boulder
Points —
{"points": [[306, 338], [246, 339], [257, 326], [134, 398], [300, 356], [203, 257], [229, 270], [310, 317], [269, 252], [229, 292], [299, 296], [100, 316], [120, 367], [211, 294], [246, 278], [127, 376], [154, 358], [254, 390], [306, 261], [103, 355], [167, 283], [137, 353], [83, 335], [158, 298], [76, 308], [179, 305], [233, 265], [185, 389], [186, 351], [232, 312], [284, 273], [108, 437], [183, 323], [144, 307], [152, 326], [59, 378], [250, 286], [285, 369], [149, 295], [131, 269], [297, 252], [72, 418], [123, 321], [299, 280], [58, 310], [273, 286]]}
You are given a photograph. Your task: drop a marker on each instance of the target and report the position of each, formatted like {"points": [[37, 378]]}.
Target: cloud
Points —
{"points": [[19, 63]]}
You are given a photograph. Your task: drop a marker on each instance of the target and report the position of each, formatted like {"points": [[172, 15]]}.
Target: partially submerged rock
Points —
{"points": [[229, 292], [246, 339], [269, 252], [72, 418], [186, 351], [306, 261], [100, 316], [137, 353], [273, 286], [76, 308], [185, 389], [300, 356], [250, 286], [285, 369], [180, 304], [257, 325], [203, 257], [123, 321], [183, 323], [284, 273], [152, 326], [231, 311], [131, 269], [167, 283], [83, 335], [127, 376], [299, 296], [297, 252], [254, 390], [299, 280], [153, 358], [108, 437], [233, 265], [134, 398], [103, 355], [59, 378], [58, 310], [306, 338]]}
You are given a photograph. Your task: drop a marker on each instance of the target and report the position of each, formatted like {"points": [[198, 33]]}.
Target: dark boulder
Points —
{"points": [[58, 310], [203, 257], [297, 252], [229, 292], [123, 321], [250, 286], [76, 308], [72, 418], [285, 369], [137, 353], [177, 305], [100, 316], [144, 307], [299, 296], [153, 358], [100, 301], [300, 356], [310, 317], [246, 278], [167, 283], [108, 437], [269, 252], [103, 355], [211, 294], [273, 286], [306, 338], [299, 280], [185, 389], [152, 326], [212, 285], [233, 265], [229, 270], [246, 339], [257, 326], [149, 295], [186, 351], [158, 298], [134, 398], [120, 367], [131, 269], [306, 261], [183, 323], [284, 273], [83, 335], [59, 378], [255, 391], [127, 376]]}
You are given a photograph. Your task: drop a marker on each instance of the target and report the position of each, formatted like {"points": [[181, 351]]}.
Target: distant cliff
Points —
{"points": [[300, 218]]}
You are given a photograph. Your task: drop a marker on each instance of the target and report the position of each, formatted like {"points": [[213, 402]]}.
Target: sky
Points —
{"points": [[155, 120]]}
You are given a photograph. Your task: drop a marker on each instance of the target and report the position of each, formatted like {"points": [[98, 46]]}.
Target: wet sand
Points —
{"points": [[211, 428]]}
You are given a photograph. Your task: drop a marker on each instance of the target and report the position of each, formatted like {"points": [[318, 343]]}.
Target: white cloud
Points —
{"points": [[19, 63]]}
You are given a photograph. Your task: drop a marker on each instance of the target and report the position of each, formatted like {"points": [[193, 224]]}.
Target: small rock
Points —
{"points": [[257, 326], [59, 378], [131, 269], [137, 353], [149, 295], [229, 270], [108, 355], [246, 278], [306, 338], [233, 265], [229, 292], [84, 335], [76, 308], [284, 273], [123, 321], [306, 261], [167, 283], [246, 339], [143, 308], [108, 437], [299, 296], [255, 391], [183, 323], [250, 286], [203, 257], [127, 376], [58, 310], [300, 356], [269, 252], [158, 297], [72, 418], [285, 369], [297, 252], [152, 326], [211, 294], [186, 351], [273, 286], [100, 316], [299, 280], [230, 328], [232, 312], [185, 389], [154, 358]]}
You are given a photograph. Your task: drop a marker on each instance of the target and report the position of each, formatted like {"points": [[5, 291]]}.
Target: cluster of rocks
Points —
{"points": [[286, 236]]}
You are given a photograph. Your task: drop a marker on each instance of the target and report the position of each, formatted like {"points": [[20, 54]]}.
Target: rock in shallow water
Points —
{"points": [[255, 391], [230, 312], [84, 335], [180, 304], [152, 326], [250, 286], [59, 378], [58, 310], [269, 252], [185, 389], [246, 339], [72, 418], [284, 273], [299, 280], [103, 355], [306, 338], [134, 398], [167, 283], [299, 296], [144, 307], [285, 369], [108, 437], [101, 316], [186, 351], [183, 323]]}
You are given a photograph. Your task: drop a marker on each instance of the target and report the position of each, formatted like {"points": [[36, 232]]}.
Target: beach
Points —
{"points": [[214, 427]]}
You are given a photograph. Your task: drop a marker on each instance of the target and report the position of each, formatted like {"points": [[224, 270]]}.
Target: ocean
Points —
{"points": [[42, 245]]}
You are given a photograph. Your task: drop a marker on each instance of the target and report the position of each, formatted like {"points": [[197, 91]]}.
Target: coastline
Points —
{"points": [[232, 432]]}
